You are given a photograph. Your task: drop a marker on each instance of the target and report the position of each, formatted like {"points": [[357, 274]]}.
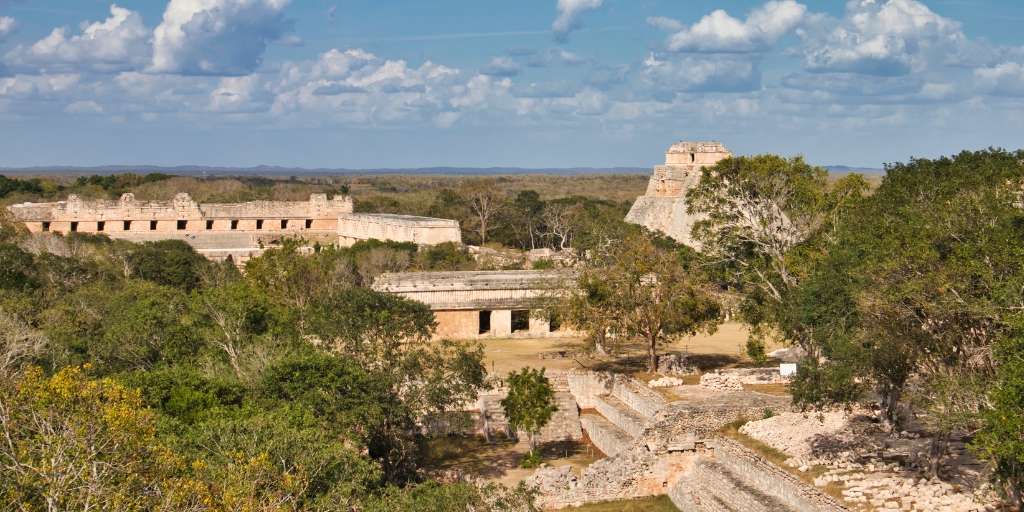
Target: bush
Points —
{"points": [[531, 459], [767, 413]]}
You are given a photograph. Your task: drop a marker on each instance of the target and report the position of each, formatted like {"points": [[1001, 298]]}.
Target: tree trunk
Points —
{"points": [[652, 355], [1013, 493], [533, 441], [936, 452], [893, 398]]}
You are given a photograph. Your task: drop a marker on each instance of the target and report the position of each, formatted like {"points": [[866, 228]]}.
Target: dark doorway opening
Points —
{"points": [[182, 224], [309, 223], [100, 225], [284, 224], [485, 322], [127, 225], [209, 225], [74, 227], [520, 320], [152, 225], [234, 224], [259, 224], [46, 226], [554, 323]]}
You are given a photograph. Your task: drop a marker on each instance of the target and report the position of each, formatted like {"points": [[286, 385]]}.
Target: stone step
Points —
{"points": [[620, 414], [606, 436], [713, 486], [641, 399]]}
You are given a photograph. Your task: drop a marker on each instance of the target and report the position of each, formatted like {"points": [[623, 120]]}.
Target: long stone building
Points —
{"points": [[236, 231], [482, 303], [663, 206]]}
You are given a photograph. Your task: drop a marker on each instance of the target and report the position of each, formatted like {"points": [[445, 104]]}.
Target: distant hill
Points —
{"points": [[267, 170]]}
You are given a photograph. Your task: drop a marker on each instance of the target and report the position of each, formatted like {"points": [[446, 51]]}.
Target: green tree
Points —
{"points": [[637, 290], [530, 402], [70, 443], [755, 212]]}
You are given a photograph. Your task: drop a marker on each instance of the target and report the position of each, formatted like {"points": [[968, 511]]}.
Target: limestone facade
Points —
{"points": [[480, 304], [353, 227], [128, 216], [663, 206]]}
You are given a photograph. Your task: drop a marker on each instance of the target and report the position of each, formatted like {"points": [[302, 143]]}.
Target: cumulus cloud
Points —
{"points": [[8, 26], [501, 66], [216, 37], [719, 32], [666, 76], [1005, 78], [118, 43], [883, 38], [570, 16]]}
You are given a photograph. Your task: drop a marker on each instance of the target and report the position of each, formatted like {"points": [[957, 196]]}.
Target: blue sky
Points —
{"points": [[531, 83]]}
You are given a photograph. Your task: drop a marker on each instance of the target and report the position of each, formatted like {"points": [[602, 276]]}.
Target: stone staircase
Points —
{"points": [[623, 412], [713, 486]]}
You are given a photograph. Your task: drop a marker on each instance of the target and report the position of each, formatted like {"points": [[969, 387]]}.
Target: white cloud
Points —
{"points": [[553, 54], [666, 24], [216, 37], [118, 43], [719, 32], [695, 74], [501, 66], [569, 17], [7, 27], [84, 107], [1003, 78], [883, 38]]}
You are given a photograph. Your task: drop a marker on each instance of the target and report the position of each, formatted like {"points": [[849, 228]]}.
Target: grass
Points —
{"points": [[651, 504]]}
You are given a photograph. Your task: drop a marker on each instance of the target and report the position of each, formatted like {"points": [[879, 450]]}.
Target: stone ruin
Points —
{"points": [[663, 207]]}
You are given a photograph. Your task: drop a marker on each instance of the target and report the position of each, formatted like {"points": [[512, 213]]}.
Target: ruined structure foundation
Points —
{"points": [[663, 207]]}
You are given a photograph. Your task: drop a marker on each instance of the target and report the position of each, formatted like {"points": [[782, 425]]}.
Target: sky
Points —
{"points": [[528, 83]]}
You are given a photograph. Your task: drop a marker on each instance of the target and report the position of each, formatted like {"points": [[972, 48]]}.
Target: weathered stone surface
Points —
{"points": [[663, 207], [353, 227]]}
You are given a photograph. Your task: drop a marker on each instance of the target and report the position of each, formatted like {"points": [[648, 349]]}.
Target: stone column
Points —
{"points": [[539, 326]]}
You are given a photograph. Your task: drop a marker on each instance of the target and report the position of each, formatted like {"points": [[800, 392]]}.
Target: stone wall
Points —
{"points": [[129, 216], [353, 227], [736, 478]]}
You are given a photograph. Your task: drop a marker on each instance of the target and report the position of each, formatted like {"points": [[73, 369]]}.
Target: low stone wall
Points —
{"points": [[751, 477], [616, 412], [608, 438], [564, 424], [587, 385]]}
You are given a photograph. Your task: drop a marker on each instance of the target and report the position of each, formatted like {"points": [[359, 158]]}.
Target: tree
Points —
{"points": [[640, 291], [69, 443], [754, 212], [486, 201], [230, 318], [530, 402], [18, 342], [526, 211], [560, 219]]}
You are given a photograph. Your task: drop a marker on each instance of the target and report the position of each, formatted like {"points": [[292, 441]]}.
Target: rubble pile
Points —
{"points": [[717, 381], [675, 363], [891, 492], [815, 439], [665, 382]]}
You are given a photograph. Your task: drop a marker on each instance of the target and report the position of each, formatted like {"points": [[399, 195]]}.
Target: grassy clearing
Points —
{"points": [[652, 504]]}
